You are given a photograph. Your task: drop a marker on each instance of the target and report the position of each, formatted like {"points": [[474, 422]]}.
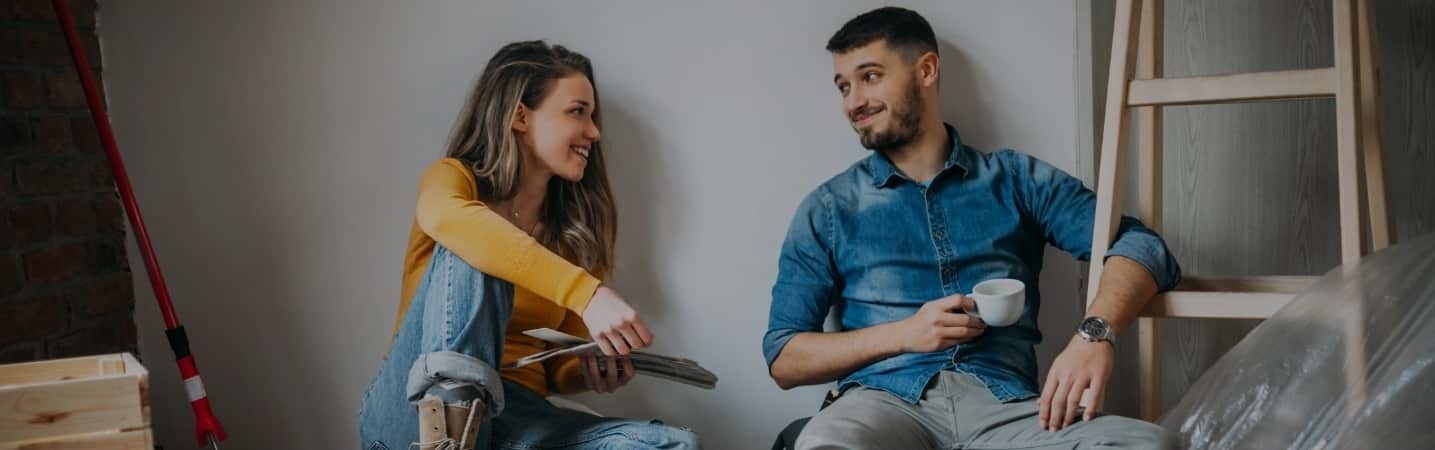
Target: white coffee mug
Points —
{"points": [[1000, 302]]}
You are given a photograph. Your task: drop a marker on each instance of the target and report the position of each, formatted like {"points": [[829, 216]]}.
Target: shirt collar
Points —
{"points": [[884, 173]]}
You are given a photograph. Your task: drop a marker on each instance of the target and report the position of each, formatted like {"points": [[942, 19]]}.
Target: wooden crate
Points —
{"points": [[92, 402]]}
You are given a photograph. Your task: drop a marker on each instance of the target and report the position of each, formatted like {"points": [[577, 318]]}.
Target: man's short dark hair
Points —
{"points": [[904, 31]]}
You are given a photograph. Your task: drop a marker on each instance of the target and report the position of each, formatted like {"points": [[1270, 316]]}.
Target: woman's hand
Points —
{"points": [[614, 325], [608, 375]]}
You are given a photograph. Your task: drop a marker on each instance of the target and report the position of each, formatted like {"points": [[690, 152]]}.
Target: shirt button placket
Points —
{"points": [[938, 224]]}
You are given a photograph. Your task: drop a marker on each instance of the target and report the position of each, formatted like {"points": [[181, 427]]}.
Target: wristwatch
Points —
{"points": [[1095, 329]]}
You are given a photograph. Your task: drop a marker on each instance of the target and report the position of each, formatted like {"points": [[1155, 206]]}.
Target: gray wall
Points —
{"points": [[275, 146], [1251, 189]]}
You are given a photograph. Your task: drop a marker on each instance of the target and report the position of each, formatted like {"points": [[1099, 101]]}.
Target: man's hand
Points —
{"points": [[939, 325], [823, 357], [606, 376], [1083, 365]]}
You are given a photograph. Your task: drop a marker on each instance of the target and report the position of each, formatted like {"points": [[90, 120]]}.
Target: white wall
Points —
{"points": [[275, 147]]}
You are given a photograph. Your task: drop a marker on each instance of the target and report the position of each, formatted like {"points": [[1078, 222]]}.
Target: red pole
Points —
{"points": [[208, 430]]}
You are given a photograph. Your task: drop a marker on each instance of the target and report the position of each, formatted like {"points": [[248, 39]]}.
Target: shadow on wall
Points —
{"points": [[641, 187], [963, 103]]}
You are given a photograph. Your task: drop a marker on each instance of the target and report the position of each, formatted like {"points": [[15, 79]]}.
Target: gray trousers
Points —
{"points": [[958, 412]]}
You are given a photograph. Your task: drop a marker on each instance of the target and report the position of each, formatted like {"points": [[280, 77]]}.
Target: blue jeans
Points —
{"points": [[454, 330]]}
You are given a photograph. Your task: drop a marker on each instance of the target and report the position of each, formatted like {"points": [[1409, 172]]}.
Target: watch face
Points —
{"points": [[1093, 327]]}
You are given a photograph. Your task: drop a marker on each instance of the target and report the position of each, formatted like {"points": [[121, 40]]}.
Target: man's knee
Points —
{"points": [[865, 419], [1133, 434], [828, 432], [1154, 436]]}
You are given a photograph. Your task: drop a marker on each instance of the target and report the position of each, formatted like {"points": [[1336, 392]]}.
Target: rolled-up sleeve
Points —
{"points": [[1066, 211], [807, 279]]}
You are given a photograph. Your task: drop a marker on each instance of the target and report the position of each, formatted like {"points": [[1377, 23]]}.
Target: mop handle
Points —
{"points": [[207, 428]]}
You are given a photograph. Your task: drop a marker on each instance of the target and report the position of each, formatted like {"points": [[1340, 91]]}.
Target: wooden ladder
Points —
{"points": [[1135, 83]]}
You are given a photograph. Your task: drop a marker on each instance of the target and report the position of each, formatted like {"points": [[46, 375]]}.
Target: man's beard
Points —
{"points": [[906, 123]]}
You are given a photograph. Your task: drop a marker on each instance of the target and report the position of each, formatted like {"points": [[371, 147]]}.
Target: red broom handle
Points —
{"points": [[208, 430]]}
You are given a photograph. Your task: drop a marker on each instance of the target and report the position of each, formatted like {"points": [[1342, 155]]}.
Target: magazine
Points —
{"points": [[681, 370]]}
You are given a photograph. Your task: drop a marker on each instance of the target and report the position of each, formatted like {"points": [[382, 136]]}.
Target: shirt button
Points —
{"points": [[940, 234]]}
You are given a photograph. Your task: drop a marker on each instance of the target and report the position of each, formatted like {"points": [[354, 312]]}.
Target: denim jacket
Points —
{"points": [[876, 246]]}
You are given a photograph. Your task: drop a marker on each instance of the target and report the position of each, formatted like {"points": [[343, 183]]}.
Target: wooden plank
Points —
{"points": [[1216, 305], [1348, 132], [1372, 144], [59, 408], [141, 439], [1266, 284], [1234, 88], [1148, 118], [111, 365], [51, 370], [1352, 131], [133, 367], [1149, 149], [1148, 364], [1113, 140]]}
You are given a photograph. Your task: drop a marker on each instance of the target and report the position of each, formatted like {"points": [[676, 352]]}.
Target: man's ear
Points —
{"points": [[520, 119], [929, 69]]}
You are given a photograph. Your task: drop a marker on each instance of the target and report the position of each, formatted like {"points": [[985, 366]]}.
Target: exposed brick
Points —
{"points": [[109, 215], [39, 10], [86, 136], [22, 90], [11, 279], [9, 46], [54, 298], [84, 12], [54, 264], [92, 49], [109, 255], [75, 217], [101, 178], [31, 319], [31, 223], [51, 177], [7, 235], [52, 133], [64, 90], [7, 183], [20, 353], [43, 46], [14, 138], [116, 334], [105, 295]]}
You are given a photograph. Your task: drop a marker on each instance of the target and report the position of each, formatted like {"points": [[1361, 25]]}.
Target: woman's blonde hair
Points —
{"points": [[579, 219]]}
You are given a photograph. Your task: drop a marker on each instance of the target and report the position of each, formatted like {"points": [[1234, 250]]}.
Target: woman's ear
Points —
{"points": [[520, 119]]}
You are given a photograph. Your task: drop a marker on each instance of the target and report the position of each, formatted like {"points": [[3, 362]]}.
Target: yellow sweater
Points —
{"points": [[549, 291]]}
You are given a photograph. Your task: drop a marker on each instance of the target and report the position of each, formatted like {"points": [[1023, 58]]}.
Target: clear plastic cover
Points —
{"points": [[1347, 364]]}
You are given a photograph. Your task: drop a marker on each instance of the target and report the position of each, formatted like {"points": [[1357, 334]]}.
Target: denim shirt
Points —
{"points": [[876, 246]]}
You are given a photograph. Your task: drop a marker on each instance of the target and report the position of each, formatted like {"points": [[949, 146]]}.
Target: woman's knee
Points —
{"points": [[457, 380], [654, 435]]}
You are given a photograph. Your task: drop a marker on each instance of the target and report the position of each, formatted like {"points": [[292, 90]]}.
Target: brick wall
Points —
{"points": [[65, 286]]}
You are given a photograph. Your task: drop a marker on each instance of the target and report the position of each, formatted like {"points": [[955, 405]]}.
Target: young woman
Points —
{"points": [[514, 230]]}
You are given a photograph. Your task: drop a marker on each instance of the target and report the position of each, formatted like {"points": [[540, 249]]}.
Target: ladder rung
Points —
{"points": [[1227, 297], [1233, 88], [1265, 284], [1216, 305]]}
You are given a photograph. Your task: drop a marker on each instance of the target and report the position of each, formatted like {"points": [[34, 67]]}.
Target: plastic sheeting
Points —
{"points": [[1347, 364]]}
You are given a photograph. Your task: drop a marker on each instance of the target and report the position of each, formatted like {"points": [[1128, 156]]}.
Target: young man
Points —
{"points": [[895, 240]]}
